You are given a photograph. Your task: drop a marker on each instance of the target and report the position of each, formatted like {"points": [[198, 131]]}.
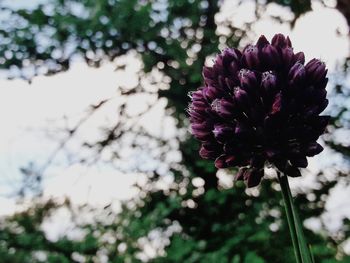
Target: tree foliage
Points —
{"points": [[189, 222]]}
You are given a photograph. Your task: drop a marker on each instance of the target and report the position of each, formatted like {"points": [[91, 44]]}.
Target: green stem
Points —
{"points": [[295, 225], [290, 219]]}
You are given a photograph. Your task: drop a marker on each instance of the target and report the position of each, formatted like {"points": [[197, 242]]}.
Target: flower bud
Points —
{"points": [[199, 105], [224, 161], [206, 154], [222, 83], [232, 69], [299, 57], [241, 98], [262, 42], [300, 161], [204, 126], [231, 83], [211, 93], [222, 132], [257, 161], [322, 84], [251, 57], [224, 108], [235, 53], [281, 41], [196, 95], [208, 73], [197, 116], [271, 154], [252, 177], [248, 80], [287, 56], [292, 171], [218, 66], [271, 56], [242, 130], [269, 83], [231, 55], [277, 104], [209, 151], [319, 123], [316, 70], [319, 95], [313, 149], [240, 174], [201, 131], [220, 162], [231, 160], [296, 74], [316, 109]]}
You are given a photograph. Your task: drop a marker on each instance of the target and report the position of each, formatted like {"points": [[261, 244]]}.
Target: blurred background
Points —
{"points": [[96, 161]]}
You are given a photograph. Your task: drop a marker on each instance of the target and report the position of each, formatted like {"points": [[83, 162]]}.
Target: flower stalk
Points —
{"points": [[301, 250]]}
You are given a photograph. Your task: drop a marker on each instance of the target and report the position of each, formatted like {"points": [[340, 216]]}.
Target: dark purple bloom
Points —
{"points": [[260, 106]]}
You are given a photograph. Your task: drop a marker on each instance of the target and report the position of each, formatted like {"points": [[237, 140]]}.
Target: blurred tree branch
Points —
{"points": [[344, 7]]}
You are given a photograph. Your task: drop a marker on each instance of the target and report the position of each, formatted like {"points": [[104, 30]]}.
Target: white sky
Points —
{"points": [[25, 110]]}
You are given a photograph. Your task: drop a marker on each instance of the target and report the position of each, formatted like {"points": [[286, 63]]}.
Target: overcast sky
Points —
{"points": [[28, 111]]}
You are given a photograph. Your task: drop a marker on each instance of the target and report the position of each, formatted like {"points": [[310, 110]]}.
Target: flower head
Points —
{"points": [[260, 106]]}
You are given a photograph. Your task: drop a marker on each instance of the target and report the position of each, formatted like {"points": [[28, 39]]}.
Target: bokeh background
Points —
{"points": [[96, 160]]}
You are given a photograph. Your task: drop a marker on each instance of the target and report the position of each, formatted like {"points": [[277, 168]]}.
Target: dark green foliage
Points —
{"points": [[298, 7], [214, 224]]}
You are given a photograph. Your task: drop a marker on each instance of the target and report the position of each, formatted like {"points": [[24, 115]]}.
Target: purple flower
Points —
{"points": [[260, 106]]}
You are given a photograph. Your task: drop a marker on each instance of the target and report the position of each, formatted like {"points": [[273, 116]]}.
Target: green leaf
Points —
{"points": [[252, 257]]}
